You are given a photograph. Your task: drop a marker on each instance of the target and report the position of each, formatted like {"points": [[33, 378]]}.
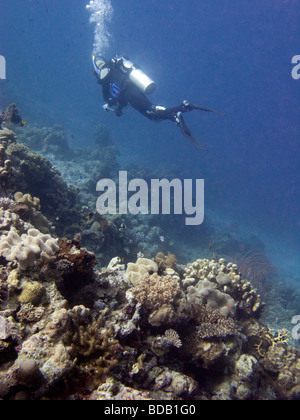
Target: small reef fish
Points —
{"points": [[209, 245], [122, 227], [90, 216], [162, 239]]}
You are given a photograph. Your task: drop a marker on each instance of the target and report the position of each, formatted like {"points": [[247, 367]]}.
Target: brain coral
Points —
{"points": [[27, 248]]}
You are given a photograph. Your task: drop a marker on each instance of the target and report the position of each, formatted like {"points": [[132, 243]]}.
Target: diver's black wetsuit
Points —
{"points": [[119, 91]]}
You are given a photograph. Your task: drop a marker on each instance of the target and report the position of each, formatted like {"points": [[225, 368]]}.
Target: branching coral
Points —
{"points": [[173, 337], [95, 345]]}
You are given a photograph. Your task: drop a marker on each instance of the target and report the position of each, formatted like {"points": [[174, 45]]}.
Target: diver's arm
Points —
{"points": [[117, 111]]}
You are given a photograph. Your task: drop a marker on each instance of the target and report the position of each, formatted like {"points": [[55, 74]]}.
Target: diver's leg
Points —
{"points": [[138, 100]]}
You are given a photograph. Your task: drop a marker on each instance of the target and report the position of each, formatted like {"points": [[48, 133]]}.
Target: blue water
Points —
{"points": [[231, 56]]}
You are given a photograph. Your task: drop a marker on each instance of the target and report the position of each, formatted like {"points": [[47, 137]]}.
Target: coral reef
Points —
{"points": [[33, 174], [51, 141], [134, 328], [11, 117], [129, 333]]}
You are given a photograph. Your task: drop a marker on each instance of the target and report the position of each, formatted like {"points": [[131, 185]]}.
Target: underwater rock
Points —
{"points": [[177, 384], [12, 116], [283, 363], [247, 377], [74, 272], [114, 390], [29, 374]]}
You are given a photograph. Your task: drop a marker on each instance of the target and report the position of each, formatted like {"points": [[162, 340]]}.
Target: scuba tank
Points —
{"points": [[137, 76]]}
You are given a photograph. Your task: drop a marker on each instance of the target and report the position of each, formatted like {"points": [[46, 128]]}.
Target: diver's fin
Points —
{"points": [[200, 108], [186, 107], [186, 132], [195, 143]]}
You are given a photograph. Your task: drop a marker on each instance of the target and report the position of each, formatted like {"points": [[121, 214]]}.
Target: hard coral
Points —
{"points": [[94, 346], [32, 293], [212, 324], [12, 115]]}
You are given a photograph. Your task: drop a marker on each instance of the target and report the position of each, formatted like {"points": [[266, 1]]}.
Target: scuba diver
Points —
{"points": [[124, 83]]}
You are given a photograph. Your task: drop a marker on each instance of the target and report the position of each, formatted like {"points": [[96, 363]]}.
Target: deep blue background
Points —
{"points": [[234, 56]]}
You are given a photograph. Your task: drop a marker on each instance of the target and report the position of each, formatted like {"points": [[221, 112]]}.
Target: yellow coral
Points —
{"points": [[32, 293], [282, 336]]}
